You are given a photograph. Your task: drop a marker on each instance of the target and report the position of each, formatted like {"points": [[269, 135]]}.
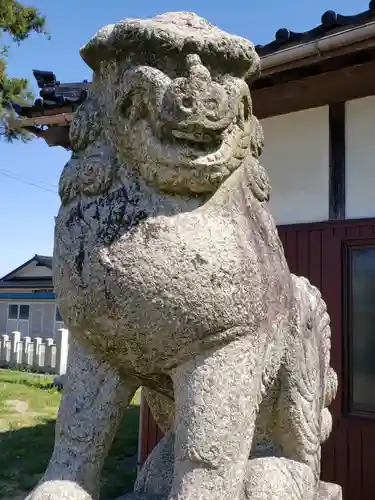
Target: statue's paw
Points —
{"points": [[58, 490], [277, 478]]}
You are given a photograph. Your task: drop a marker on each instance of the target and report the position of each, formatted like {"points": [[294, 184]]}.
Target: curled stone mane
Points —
{"points": [[259, 180], [170, 35], [87, 125], [311, 387], [92, 169]]}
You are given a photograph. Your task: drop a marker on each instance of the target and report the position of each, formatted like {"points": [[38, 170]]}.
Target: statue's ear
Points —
{"points": [[260, 182], [86, 125], [257, 138], [259, 179]]}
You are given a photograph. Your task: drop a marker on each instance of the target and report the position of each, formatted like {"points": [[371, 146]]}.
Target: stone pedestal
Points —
{"points": [[329, 491]]}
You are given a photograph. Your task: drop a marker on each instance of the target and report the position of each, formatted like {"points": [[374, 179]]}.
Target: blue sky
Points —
{"points": [[27, 212]]}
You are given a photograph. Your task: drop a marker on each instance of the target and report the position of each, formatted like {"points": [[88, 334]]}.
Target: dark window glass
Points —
{"points": [[58, 316], [361, 328], [24, 312], [13, 311]]}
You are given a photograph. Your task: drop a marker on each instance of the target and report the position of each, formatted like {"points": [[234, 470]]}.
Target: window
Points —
{"points": [[13, 311], [360, 324], [58, 316], [16, 311], [24, 312]]}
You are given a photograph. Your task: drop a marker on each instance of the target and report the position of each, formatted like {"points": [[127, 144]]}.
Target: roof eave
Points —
{"points": [[303, 54], [26, 286]]}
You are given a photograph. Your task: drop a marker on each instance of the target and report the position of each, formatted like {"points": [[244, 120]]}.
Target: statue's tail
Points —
{"points": [[308, 383]]}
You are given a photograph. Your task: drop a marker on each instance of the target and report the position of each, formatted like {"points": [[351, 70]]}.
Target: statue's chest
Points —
{"points": [[169, 281], [170, 260], [190, 269]]}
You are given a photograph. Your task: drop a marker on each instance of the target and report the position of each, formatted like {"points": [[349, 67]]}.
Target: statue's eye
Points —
{"points": [[133, 107]]}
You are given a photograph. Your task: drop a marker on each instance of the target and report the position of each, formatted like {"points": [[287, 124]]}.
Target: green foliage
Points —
{"points": [[19, 22]]}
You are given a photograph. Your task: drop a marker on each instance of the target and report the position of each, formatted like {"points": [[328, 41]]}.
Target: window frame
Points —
{"points": [[347, 328], [10, 304], [28, 312], [18, 304]]}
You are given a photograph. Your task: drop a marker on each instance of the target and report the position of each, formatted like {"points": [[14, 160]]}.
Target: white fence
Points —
{"points": [[37, 354]]}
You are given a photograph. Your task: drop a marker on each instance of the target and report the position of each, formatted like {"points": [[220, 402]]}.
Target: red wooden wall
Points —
{"points": [[316, 251]]}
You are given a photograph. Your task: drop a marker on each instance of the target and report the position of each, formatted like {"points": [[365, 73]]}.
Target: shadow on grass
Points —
{"points": [[25, 454]]}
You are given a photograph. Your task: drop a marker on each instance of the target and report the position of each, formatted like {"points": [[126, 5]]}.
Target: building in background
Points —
{"points": [[27, 300]]}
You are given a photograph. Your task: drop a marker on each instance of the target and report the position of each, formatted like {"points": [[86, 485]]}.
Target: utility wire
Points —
{"points": [[29, 179], [30, 182]]}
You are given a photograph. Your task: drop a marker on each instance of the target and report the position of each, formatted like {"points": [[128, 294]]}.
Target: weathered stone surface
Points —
{"points": [[170, 274]]}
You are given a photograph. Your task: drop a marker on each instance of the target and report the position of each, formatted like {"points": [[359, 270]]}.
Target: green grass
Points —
{"points": [[28, 411]]}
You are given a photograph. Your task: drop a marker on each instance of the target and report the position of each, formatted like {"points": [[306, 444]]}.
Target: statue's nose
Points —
{"points": [[197, 95]]}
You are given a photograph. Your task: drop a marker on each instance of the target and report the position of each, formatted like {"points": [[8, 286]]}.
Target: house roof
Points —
{"points": [[29, 284], [11, 280], [331, 22], [53, 109], [55, 97]]}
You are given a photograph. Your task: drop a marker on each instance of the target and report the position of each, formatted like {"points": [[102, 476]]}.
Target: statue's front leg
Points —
{"points": [[217, 395], [89, 414]]}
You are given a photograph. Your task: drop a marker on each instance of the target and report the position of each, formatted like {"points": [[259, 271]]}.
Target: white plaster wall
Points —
{"points": [[360, 158], [296, 158]]}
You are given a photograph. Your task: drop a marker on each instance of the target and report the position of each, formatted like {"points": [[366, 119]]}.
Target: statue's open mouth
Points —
{"points": [[194, 140]]}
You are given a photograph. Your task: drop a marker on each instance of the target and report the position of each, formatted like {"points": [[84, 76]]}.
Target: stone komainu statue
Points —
{"points": [[170, 275]]}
